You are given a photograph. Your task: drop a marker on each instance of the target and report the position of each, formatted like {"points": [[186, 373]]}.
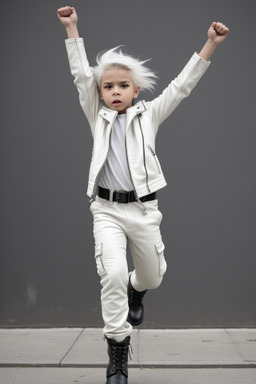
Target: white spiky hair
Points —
{"points": [[141, 75]]}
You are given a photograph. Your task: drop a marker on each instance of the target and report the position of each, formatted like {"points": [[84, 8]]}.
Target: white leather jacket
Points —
{"points": [[142, 121]]}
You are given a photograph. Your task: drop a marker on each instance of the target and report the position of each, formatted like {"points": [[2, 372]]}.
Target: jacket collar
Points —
{"points": [[139, 107], [110, 115]]}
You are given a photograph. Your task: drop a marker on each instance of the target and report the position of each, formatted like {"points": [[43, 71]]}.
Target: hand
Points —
{"points": [[67, 16], [217, 32]]}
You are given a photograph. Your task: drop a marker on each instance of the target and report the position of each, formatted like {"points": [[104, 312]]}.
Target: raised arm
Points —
{"points": [[68, 17], [181, 87], [216, 35], [79, 65]]}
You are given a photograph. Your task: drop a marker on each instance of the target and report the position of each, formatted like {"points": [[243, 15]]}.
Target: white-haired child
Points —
{"points": [[125, 175]]}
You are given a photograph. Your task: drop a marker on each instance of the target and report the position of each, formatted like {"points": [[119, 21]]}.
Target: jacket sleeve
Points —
{"points": [[181, 87], [83, 78]]}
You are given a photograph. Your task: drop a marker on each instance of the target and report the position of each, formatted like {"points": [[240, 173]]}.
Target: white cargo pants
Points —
{"points": [[114, 224]]}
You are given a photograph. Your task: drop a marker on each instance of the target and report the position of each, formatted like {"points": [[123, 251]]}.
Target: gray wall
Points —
{"points": [[207, 149]]}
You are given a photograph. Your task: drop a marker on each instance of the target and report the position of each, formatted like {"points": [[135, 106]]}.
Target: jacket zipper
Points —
{"points": [[125, 143], [144, 155], [155, 158], [135, 192], [97, 177]]}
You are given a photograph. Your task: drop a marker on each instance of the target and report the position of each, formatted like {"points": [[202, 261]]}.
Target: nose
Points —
{"points": [[116, 91]]}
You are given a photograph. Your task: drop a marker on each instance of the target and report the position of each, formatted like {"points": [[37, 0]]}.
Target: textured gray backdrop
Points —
{"points": [[207, 149]]}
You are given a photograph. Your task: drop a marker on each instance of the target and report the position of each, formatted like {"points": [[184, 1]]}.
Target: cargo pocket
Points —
{"points": [[99, 262], [160, 251]]}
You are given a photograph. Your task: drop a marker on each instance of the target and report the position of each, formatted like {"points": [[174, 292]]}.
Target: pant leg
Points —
{"points": [[111, 261], [146, 245]]}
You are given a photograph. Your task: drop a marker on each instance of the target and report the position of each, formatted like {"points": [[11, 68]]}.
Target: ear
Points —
{"points": [[136, 92]]}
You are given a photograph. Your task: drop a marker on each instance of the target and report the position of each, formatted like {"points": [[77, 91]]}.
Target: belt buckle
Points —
{"points": [[119, 195]]}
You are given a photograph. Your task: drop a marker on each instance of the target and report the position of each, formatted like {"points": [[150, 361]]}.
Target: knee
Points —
{"points": [[151, 278]]}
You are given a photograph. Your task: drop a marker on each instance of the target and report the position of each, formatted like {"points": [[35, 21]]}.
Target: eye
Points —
{"points": [[125, 85], [108, 86]]}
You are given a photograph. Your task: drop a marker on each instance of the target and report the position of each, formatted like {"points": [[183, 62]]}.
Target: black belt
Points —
{"points": [[123, 196]]}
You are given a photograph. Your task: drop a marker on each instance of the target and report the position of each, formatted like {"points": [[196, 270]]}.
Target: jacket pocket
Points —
{"points": [[156, 161], [99, 262], [160, 251]]}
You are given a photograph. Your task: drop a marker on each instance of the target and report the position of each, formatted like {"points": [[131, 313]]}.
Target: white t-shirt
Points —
{"points": [[115, 174]]}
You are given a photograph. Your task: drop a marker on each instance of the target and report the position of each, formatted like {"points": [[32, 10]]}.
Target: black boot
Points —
{"points": [[136, 309], [117, 370]]}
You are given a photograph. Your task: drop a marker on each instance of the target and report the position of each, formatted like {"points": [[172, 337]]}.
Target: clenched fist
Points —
{"points": [[67, 15], [217, 32]]}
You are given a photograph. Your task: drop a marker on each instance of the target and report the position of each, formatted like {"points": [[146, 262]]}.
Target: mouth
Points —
{"points": [[116, 102]]}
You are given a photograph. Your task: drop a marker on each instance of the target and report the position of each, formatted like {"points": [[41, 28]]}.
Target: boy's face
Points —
{"points": [[117, 89]]}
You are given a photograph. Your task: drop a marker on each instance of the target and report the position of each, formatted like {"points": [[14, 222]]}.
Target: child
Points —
{"points": [[125, 175]]}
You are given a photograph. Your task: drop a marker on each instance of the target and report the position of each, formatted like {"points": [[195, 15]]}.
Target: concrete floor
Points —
{"points": [[78, 355]]}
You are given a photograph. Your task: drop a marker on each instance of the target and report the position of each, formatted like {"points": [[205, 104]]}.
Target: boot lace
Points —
{"points": [[135, 297], [120, 353]]}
